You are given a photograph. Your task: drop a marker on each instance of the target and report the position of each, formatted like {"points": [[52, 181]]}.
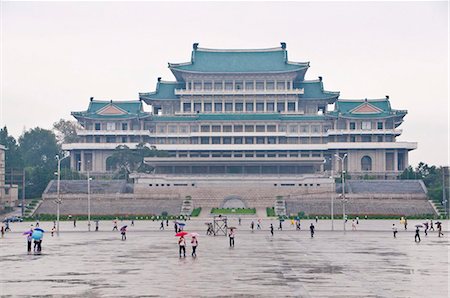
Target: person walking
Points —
{"points": [[353, 225], [271, 229], [96, 225], [357, 220], [405, 222], [167, 222], [53, 231], [161, 227], [194, 243], [7, 229], [239, 220], [175, 225], [252, 225], [280, 226], [311, 229], [431, 225], [123, 232], [417, 235], [182, 246], [317, 218], [231, 236], [439, 227], [115, 225], [426, 228], [132, 222], [394, 230], [292, 222], [29, 241], [258, 224], [3, 231], [75, 222]]}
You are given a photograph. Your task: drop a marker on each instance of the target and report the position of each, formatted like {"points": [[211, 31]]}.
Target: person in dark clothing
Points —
{"points": [[426, 228], [75, 222], [29, 241], [394, 230], [417, 236], [194, 243], [132, 222], [431, 225], [182, 246], [271, 229], [96, 225], [167, 222], [405, 223], [311, 229], [439, 227], [252, 225], [176, 227], [123, 232], [280, 226], [162, 225], [317, 218]]}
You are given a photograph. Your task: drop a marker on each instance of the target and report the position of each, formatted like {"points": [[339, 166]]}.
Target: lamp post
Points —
{"points": [[342, 159], [58, 196], [89, 195], [333, 191]]}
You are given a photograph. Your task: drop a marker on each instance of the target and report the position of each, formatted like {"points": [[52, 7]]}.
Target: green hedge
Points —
{"points": [[270, 211], [233, 211], [301, 215], [196, 212]]}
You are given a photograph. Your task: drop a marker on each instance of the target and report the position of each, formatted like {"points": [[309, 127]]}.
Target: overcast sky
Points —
{"points": [[55, 55]]}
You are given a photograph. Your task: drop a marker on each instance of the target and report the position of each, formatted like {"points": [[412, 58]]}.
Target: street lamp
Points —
{"points": [[89, 194], [58, 196], [342, 159], [333, 191]]}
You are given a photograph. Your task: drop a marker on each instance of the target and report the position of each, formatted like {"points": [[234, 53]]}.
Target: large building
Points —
{"points": [[244, 113]]}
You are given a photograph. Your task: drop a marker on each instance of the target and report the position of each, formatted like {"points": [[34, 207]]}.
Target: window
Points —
{"points": [[217, 85], [238, 140], [379, 125], [207, 107], [259, 85], [260, 128], [249, 106], [366, 125], [228, 85], [227, 140], [260, 140], [238, 85], [124, 139], [97, 139], [260, 107], [226, 128], [187, 107], [172, 129], [271, 140], [249, 86], [228, 107], [291, 106], [366, 139], [110, 126], [238, 128], [249, 128], [110, 139], [352, 139], [218, 107], [215, 128], [352, 125], [281, 86], [204, 140], [248, 140], [207, 86], [98, 126], [379, 139], [215, 140], [124, 126], [197, 107], [205, 128], [304, 128], [271, 128], [239, 107], [315, 128], [280, 107], [270, 85], [270, 107], [366, 163]]}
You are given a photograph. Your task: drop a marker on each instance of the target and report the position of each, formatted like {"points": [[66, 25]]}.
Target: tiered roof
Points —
{"points": [[165, 90], [314, 90], [112, 110], [273, 60], [365, 108]]}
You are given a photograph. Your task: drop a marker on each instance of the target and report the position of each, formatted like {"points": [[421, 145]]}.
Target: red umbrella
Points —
{"points": [[181, 234]]}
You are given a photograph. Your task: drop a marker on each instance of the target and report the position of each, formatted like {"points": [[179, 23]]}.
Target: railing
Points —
{"points": [[364, 131]]}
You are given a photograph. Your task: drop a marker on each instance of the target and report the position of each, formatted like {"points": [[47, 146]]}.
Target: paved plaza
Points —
{"points": [[363, 263]]}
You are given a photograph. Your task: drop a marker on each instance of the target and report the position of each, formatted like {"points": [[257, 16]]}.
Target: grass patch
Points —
{"points": [[233, 211]]}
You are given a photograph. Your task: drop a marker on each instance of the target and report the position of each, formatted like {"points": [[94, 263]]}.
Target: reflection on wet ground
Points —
{"points": [[364, 263]]}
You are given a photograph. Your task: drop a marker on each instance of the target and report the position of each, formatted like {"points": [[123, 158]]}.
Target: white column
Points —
{"points": [[202, 102], [265, 104], [275, 103], [181, 106], [192, 106], [286, 105], [296, 106], [212, 104]]}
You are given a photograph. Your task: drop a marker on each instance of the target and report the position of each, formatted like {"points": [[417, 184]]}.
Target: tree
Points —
{"points": [[66, 131], [13, 158], [38, 148], [128, 160]]}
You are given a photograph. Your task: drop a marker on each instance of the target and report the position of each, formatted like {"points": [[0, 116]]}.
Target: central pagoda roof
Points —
{"points": [[273, 60]]}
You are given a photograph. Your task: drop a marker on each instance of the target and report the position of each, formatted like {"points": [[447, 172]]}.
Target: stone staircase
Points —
{"points": [[187, 206], [280, 207]]}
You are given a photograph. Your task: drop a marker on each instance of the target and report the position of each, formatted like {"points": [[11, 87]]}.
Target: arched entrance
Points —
{"points": [[233, 202]]}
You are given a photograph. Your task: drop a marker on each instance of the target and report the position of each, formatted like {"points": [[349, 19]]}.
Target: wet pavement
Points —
{"points": [[368, 262]]}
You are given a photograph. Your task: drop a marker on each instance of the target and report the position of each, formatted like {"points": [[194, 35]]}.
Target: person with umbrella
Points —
{"points": [[123, 232], [181, 243], [37, 235], [231, 236], [194, 243], [29, 239], [426, 228], [417, 236]]}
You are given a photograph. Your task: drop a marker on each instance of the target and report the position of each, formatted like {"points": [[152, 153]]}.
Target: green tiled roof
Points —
{"points": [[314, 90], [346, 108], [239, 117], [239, 61], [129, 109], [164, 90]]}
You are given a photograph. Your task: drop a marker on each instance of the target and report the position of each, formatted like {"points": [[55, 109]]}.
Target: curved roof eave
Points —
{"points": [[254, 72]]}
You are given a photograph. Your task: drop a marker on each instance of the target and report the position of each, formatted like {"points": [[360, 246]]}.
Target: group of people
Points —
{"points": [[182, 246], [428, 225]]}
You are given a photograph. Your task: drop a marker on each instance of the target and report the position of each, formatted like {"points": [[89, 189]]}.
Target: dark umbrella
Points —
{"points": [[418, 226], [232, 228], [39, 229]]}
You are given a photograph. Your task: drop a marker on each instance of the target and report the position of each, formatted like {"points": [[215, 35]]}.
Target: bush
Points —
{"points": [[196, 212], [270, 211]]}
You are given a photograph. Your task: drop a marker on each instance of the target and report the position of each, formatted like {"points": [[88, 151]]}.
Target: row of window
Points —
{"points": [[239, 107], [239, 85]]}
